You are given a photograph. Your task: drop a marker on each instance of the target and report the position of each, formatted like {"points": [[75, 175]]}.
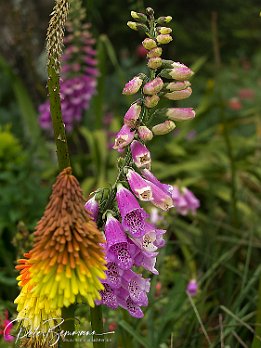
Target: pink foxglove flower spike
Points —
{"points": [[131, 239]]}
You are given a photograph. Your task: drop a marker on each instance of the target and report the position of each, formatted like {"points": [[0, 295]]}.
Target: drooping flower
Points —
{"points": [[123, 138], [140, 155], [152, 178], [108, 297], [137, 287], [113, 275], [117, 246], [132, 115], [67, 260], [151, 240], [127, 303], [133, 216], [139, 186]]}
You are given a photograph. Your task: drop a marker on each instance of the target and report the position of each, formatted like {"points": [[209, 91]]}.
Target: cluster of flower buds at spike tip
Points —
{"points": [[131, 238]]}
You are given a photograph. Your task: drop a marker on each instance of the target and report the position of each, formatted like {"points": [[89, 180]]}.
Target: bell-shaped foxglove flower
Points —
{"points": [[108, 297], [160, 198], [113, 275], [140, 155], [127, 303], [117, 246], [132, 115], [137, 287], [152, 178], [133, 216], [148, 262], [151, 240], [139, 186], [123, 138]]}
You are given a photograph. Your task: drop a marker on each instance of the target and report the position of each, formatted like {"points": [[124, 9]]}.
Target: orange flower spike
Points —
{"points": [[67, 261]]}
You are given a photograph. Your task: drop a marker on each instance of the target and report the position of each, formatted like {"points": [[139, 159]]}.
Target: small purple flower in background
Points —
{"points": [[78, 79], [192, 287], [6, 327], [155, 215], [185, 201]]}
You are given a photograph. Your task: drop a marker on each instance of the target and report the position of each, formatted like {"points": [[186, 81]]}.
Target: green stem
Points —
{"points": [[63, 161], [56, 114], [97, 326], [68, 325], [256, 342]]}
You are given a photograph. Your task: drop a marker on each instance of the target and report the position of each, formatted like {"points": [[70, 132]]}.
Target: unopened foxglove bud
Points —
{"points": [[153, 87], [133, 85], [151, 101], [140, 155], [154, 63], [132, 115], [177, 86], [155, 52], [163, 128], [92, 207], [139, 16], [178, 72], [180, 114], [145, 133], [149, 44], [164, 39], [137, 26], [164, 20], [164, 30], [179, 95]]}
